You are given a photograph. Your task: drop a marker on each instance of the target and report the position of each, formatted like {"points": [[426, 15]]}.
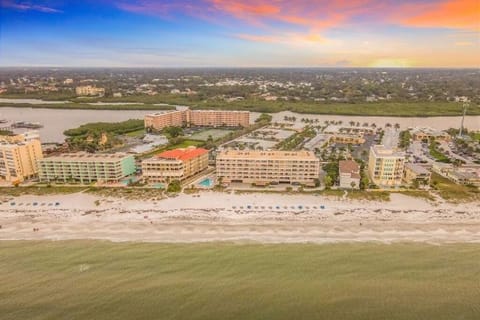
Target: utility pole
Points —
{"points": [[466, 103]]}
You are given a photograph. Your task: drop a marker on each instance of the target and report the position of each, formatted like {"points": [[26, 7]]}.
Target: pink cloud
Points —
{"points": [[282, 18], [27, 6]]}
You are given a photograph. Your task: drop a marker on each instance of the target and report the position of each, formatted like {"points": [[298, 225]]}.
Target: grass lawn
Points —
{"points": [[185, 144], [422, 194], [40, 190], [128, 193], [475, 136], [369, 195], [215, 133], [434, 152], [102, 280], [135, 134], [453, 192]]}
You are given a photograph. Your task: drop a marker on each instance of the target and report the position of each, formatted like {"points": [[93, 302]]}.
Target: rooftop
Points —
{"points": [[348, 166], [339, 128], [417, 168], [250, 154], [156, 114], [429, 131], [230, 111], [87, 157], [161, 113], [182, 154], [382, 151]]}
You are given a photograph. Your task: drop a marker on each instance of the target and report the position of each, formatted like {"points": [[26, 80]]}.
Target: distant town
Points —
{"points": [[422, 92]]}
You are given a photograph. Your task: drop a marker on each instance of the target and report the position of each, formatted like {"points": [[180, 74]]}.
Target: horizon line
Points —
{"points": [[240, 67]]}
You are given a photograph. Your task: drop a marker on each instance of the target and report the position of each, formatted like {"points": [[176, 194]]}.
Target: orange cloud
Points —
{"points": [[448, 14], [321, 14], [244, 8], [312, 15], [288, 38], [305, 20]]}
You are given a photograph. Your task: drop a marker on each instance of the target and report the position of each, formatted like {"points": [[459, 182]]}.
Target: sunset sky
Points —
{"points": [[249, 33]]}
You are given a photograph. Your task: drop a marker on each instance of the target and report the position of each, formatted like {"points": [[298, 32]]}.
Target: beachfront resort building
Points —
{"points": [[18, 156], [427, 134], [349, 173], [465, 174], [178, 164], [268, 167], [202, 118], [416, 174], [89, 91], [86, 168], [385, 166]]}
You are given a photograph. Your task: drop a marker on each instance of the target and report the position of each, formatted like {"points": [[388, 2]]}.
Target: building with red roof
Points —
{"points": [[177, 164], [349, 173]]}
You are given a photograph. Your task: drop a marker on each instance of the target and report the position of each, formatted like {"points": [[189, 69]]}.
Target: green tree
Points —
{"points": [[173, 132], [264, 118], [174, 187]]}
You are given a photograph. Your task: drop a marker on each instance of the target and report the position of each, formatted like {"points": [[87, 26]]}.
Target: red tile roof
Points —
{"points": [[348, 166], [182, 154]]}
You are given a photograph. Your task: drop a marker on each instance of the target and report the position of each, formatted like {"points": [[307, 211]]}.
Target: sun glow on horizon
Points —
{"points": [[391, 63]]}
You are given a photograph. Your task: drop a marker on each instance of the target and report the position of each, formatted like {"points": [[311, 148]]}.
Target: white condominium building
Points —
{"points": [[264, 167], [89, 91], [385, 166], [86, 168]]}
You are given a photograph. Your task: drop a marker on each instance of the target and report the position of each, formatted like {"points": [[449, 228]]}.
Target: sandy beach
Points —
{"points": [[264, 218]]}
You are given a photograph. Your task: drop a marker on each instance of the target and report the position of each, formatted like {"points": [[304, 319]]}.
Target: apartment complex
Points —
{"points": [[207, 118], [415, 173], [385, 166], [86, 168], [218, 118], [19, 155], [160, 120], [265, 167], [349, 173], [89, 91], [177, 164]]}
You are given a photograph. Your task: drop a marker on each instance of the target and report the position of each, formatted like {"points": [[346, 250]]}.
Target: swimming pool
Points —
{"points": [[207, 183]]}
